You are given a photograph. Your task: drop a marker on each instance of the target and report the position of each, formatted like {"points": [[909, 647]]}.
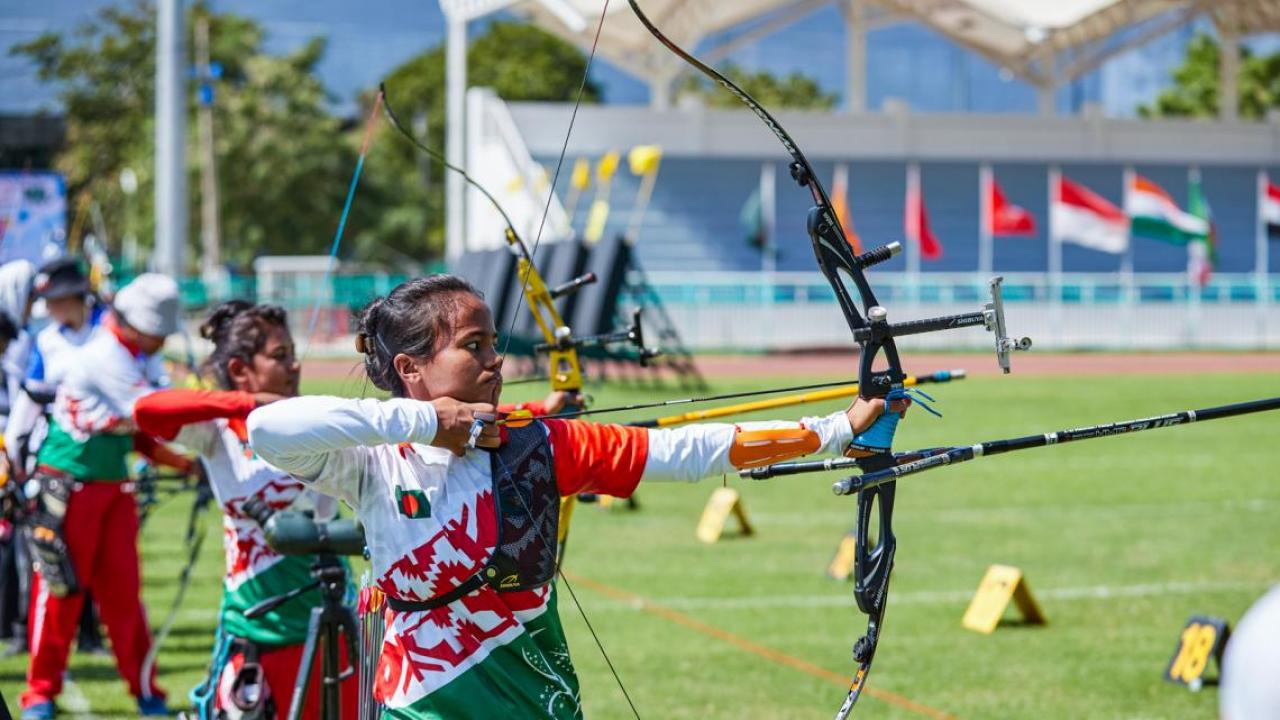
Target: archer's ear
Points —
{"points": [[239, 372], [407, 369]]}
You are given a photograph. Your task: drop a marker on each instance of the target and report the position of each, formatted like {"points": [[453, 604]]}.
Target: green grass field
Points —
{"points": [[1121, 539]]}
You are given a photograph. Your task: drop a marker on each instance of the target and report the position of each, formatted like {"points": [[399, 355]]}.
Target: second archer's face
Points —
{"points": [[466, 364]]}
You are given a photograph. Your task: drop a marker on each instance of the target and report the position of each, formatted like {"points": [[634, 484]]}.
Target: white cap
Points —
{"points": [[150, 304]]}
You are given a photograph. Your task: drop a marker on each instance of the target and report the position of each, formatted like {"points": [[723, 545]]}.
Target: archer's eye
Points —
{"points": [[473, 346]]}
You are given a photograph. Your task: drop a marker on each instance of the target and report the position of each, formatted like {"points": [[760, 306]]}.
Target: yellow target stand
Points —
{"points": [[725, 502], [1001, 584]]}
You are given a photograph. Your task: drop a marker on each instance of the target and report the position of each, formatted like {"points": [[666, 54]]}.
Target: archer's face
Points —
{"points": [[68, 311], [274, 368], [466, 365]]}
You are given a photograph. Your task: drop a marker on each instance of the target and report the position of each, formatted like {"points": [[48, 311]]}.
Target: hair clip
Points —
{"points": [[362, 343]]}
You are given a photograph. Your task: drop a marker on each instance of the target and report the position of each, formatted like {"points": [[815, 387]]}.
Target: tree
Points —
{"points": [[794, 91], [1195, 92], [519, 62], [283, 161]]}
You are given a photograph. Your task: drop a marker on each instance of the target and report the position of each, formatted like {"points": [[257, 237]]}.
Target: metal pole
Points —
{"points": [[171, 132], [1262, 261], [855, 28], [455, 135], [210, 235], [1055, 257], [768, 216], [985, 250]]}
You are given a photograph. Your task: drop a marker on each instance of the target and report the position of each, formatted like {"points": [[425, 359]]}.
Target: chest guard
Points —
{"points": [[527, 504], [527, 500]]}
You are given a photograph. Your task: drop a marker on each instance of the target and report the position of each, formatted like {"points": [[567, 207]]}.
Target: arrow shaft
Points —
{"points": [[956, 455]]}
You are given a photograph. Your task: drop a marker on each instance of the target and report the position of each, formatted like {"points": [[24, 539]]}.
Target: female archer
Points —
{"points": [[462, 539], [258, 658]]}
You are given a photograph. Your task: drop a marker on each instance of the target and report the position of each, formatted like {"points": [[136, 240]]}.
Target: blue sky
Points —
{"points": [[368, 39]]}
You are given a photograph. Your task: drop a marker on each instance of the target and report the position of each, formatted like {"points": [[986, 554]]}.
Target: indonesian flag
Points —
{"points": [[916, 225], [1079, 215], [1269, 206], [1153, 214], [1004, 217], [840, 203]]}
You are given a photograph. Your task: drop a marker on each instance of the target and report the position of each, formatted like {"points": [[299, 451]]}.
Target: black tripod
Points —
{"points": [[328, 622]]}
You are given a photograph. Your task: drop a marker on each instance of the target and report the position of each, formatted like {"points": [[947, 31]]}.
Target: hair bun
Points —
{"points": [[221, 317]]}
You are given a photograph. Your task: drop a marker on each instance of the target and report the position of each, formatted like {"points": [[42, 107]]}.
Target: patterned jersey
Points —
{"points": [[487, 654], [254, 572], [91, 433]]}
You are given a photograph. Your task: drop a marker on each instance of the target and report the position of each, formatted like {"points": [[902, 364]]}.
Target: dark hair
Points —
{"points": [[409, 320], [238, 329]]}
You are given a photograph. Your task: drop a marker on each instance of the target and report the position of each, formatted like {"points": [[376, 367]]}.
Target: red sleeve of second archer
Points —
{"points": [[164, 412], [606, 459]]}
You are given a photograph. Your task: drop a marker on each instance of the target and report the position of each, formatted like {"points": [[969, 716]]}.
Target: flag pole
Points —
{"points": [[1192, 278], [768, 216], [1055, 254], [1126, 263], [985, 210], [913, 229], [1262, 260]]}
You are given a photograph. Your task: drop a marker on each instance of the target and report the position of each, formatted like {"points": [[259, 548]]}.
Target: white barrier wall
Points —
{"points": [[710, 316]]}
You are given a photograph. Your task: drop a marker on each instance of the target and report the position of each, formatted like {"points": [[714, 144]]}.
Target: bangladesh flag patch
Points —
{"points": [[413, 503]]}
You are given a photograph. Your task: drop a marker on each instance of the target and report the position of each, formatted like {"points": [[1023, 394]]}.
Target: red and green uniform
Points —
{"points": [[489, 653], [212, 424]]}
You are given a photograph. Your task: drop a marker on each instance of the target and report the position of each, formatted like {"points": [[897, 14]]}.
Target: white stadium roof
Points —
{"points": [[1045, 42]]}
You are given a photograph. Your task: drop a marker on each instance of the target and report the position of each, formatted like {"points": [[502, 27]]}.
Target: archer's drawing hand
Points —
{"points": [[454, 420], [266, 398]]}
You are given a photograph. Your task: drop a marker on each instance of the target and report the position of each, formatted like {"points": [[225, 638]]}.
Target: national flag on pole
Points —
{"points": [[916, 225], [1004, 217], [1202, 252], [840, 203], [1079, 215], [1269, 207], [1153, 214]]}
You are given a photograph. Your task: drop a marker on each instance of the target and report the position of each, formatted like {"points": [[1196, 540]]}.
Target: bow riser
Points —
{"points": [[563, 365]]}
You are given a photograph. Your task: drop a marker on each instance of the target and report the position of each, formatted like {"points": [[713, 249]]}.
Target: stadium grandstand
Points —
{"points": [[724, 207]]}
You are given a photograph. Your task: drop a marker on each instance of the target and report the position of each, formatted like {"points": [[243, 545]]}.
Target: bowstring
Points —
{"points": [[537, 240], [555, 176]]}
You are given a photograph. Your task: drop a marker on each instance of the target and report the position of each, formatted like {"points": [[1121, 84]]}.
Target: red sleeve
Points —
{"points": [[164, 412], [159, 454], [534, 406], [605, 459]]}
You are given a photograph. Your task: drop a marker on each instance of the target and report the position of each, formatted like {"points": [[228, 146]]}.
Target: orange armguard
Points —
{"points": [[755, 448]]}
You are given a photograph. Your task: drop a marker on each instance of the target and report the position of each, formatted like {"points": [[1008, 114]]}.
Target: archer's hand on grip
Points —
{"points": [[874, 422]]}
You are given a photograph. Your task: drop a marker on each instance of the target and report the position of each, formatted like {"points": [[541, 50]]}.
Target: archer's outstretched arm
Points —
{"points": [[613, 459]]}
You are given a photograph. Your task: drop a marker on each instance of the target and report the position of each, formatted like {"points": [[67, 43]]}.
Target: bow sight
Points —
{"points": [[633, 335]]}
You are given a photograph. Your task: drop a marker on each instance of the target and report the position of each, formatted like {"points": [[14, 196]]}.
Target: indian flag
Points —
{"points": [[1153, 214]]}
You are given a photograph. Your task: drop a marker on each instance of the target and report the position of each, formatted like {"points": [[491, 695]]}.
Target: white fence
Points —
{"points": [[758, 311]]}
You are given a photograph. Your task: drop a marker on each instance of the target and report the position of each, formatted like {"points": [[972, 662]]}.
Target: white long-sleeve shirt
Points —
{"points": [[371, 453]]}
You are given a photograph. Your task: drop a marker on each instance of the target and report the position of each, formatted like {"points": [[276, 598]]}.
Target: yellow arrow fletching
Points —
{"points": [[517, 418]]}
